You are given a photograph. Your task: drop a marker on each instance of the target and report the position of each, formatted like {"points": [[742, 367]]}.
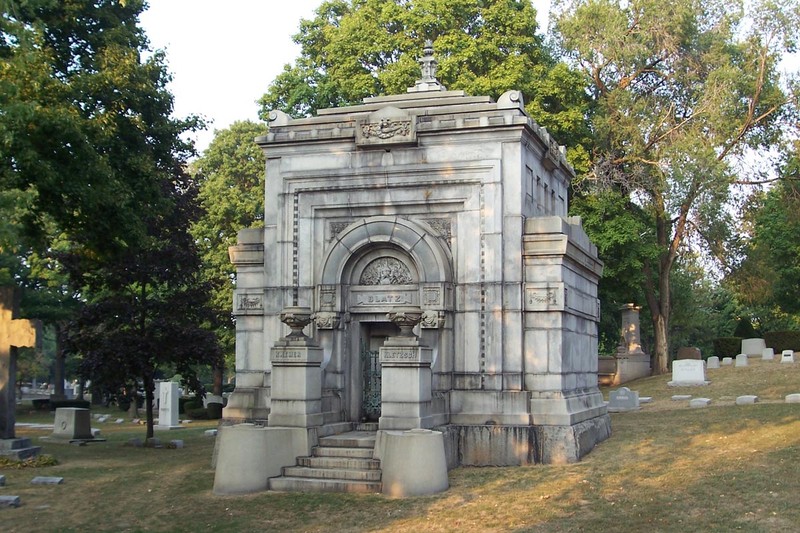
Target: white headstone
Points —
{"points": [[768, 354], [747, 399], [727, 361], [793, 398], [787, 356], [699, 402], [688, 372], [713, 362], [753, 347], [623, 399], [167, 404], [681, 397], [741, 359]]}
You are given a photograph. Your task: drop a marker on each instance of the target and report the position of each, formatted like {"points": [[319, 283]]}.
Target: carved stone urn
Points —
{"points": [[406, 318], [296, 318]]}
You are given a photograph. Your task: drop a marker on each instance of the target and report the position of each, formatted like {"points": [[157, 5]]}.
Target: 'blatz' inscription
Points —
{"points": [[383, 299]]}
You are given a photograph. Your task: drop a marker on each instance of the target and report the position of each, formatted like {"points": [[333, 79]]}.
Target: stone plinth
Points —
{"points": [[413, 462], [72, 423], [405, 384]]}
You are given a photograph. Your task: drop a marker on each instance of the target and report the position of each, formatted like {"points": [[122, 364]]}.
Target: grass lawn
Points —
{"points": [[666, 468]]}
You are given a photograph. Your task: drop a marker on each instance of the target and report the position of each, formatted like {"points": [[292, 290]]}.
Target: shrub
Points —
{"points": [[198, 414], [727, 346], [214, 411], [41, 404], [190, 404], [783, 340], [744, 329]]}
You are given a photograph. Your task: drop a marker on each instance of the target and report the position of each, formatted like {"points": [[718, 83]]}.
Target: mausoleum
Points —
{"points": [[418, 274]]}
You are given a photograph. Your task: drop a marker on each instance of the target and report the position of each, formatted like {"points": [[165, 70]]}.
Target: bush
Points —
{"points": [[214, 411], [81, 404], [41, 405], [744, 329], [783, 340], [190, 404], [727, 346], [199, 414]]}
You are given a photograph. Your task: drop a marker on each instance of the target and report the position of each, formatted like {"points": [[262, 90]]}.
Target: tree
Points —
{"points": [[358, 48], [678, 96], [230, 175], [150, 309]]}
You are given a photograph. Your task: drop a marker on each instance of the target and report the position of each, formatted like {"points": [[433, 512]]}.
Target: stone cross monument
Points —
{"points": [[14, 333]]}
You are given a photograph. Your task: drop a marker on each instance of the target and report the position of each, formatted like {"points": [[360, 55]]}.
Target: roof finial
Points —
{"points": [[428, 65]]}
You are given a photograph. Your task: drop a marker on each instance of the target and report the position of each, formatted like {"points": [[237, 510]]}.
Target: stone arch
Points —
{"points": [[432, 262]]}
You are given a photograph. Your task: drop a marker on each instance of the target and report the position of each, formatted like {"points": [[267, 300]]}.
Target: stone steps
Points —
{"points": [[341, 463]]}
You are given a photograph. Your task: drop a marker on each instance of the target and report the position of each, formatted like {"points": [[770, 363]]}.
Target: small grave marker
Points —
{"points": [[681, 397], [746, 400], [210, 433], [623, 399], [741, 359], [793, 398], [713, 362], [47, 480], [9, 501], [2, 481], [687, 373], [727, 361], [787, 356], [768, 354], [699, 402]]}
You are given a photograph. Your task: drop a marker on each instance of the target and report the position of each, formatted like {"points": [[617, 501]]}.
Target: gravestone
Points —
{"points": [[72, 423], [767, 354], [792, 398], [14, 333], [689, 352], [787, 356], [688, 372], [747, 399], [623, 399], [681, 397], [741, 359], [168, 405], [629, 361], [713, 362], [753, 347], [9, 501], [47, 480], [727, 361], [699, 402]]}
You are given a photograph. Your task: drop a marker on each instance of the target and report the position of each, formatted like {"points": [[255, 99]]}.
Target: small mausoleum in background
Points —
{"points": [[417, 290]]}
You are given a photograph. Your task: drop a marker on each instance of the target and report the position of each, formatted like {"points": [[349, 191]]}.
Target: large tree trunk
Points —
{"points": [[661, 341], [216, 388], [58, 391]]}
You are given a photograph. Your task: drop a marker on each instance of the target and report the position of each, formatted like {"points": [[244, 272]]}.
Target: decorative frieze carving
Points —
{"points": [[336, 228], [387, 126], [442, 227], [326, 320], [545, 297], [249, 303], [386, 271], [386, 129]]}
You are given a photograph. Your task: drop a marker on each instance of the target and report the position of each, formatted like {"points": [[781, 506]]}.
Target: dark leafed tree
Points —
{"points": [[353, 49], [680, 95], [150, 309]]}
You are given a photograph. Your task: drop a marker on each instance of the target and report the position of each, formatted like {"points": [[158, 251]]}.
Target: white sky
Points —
{"points": [[223, 55]]}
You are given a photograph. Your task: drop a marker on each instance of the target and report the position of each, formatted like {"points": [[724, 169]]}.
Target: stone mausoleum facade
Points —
{"points": [[450, 206]]}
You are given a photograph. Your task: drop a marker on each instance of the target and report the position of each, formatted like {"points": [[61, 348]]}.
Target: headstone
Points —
{"points": [[177, 443], [9, 501], [168, 405], [688, 372], [767, 354], [210, 433], [727, 361], [747, 399], [689, 352], [787, 356], [47, 480], [793, 398], [2, 481], [623, 399], [712, 362], [645, 399], [753, 347], [741, 359], [14, 333], [72, 423], [699, 402], [681, 397]]}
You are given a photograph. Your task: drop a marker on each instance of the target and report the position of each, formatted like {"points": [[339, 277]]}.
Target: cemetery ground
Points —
{"points": [[667, 467]]}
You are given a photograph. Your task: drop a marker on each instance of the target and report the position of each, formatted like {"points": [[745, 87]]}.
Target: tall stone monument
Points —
{"points": [[14, 333], [631, 361], [451, 204]]}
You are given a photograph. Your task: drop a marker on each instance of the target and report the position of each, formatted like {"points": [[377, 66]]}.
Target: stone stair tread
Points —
{"points": [[296, 484], [351, 463], [341, 451], [351, 439], [332, 473]]}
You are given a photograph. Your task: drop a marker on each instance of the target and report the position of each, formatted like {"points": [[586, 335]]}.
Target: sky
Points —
{"points": [[223, 55]]}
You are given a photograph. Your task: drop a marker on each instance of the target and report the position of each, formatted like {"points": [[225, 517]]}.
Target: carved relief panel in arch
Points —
{"points": [[381, 279]]}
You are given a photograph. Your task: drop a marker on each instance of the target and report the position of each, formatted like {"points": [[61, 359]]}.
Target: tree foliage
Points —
{"points": [[678, 95], [230, 175], [353, 49]]}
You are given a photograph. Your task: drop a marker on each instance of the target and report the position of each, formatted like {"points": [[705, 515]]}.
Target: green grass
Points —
{"points": [[666, 468]]}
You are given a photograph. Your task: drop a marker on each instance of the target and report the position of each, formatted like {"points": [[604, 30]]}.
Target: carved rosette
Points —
{"points": [[326, 320], [406, 318], [296, 318]]}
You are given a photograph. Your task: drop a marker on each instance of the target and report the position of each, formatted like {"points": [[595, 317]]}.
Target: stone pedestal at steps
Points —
{"points": [[405, 376], [296, 375]]}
